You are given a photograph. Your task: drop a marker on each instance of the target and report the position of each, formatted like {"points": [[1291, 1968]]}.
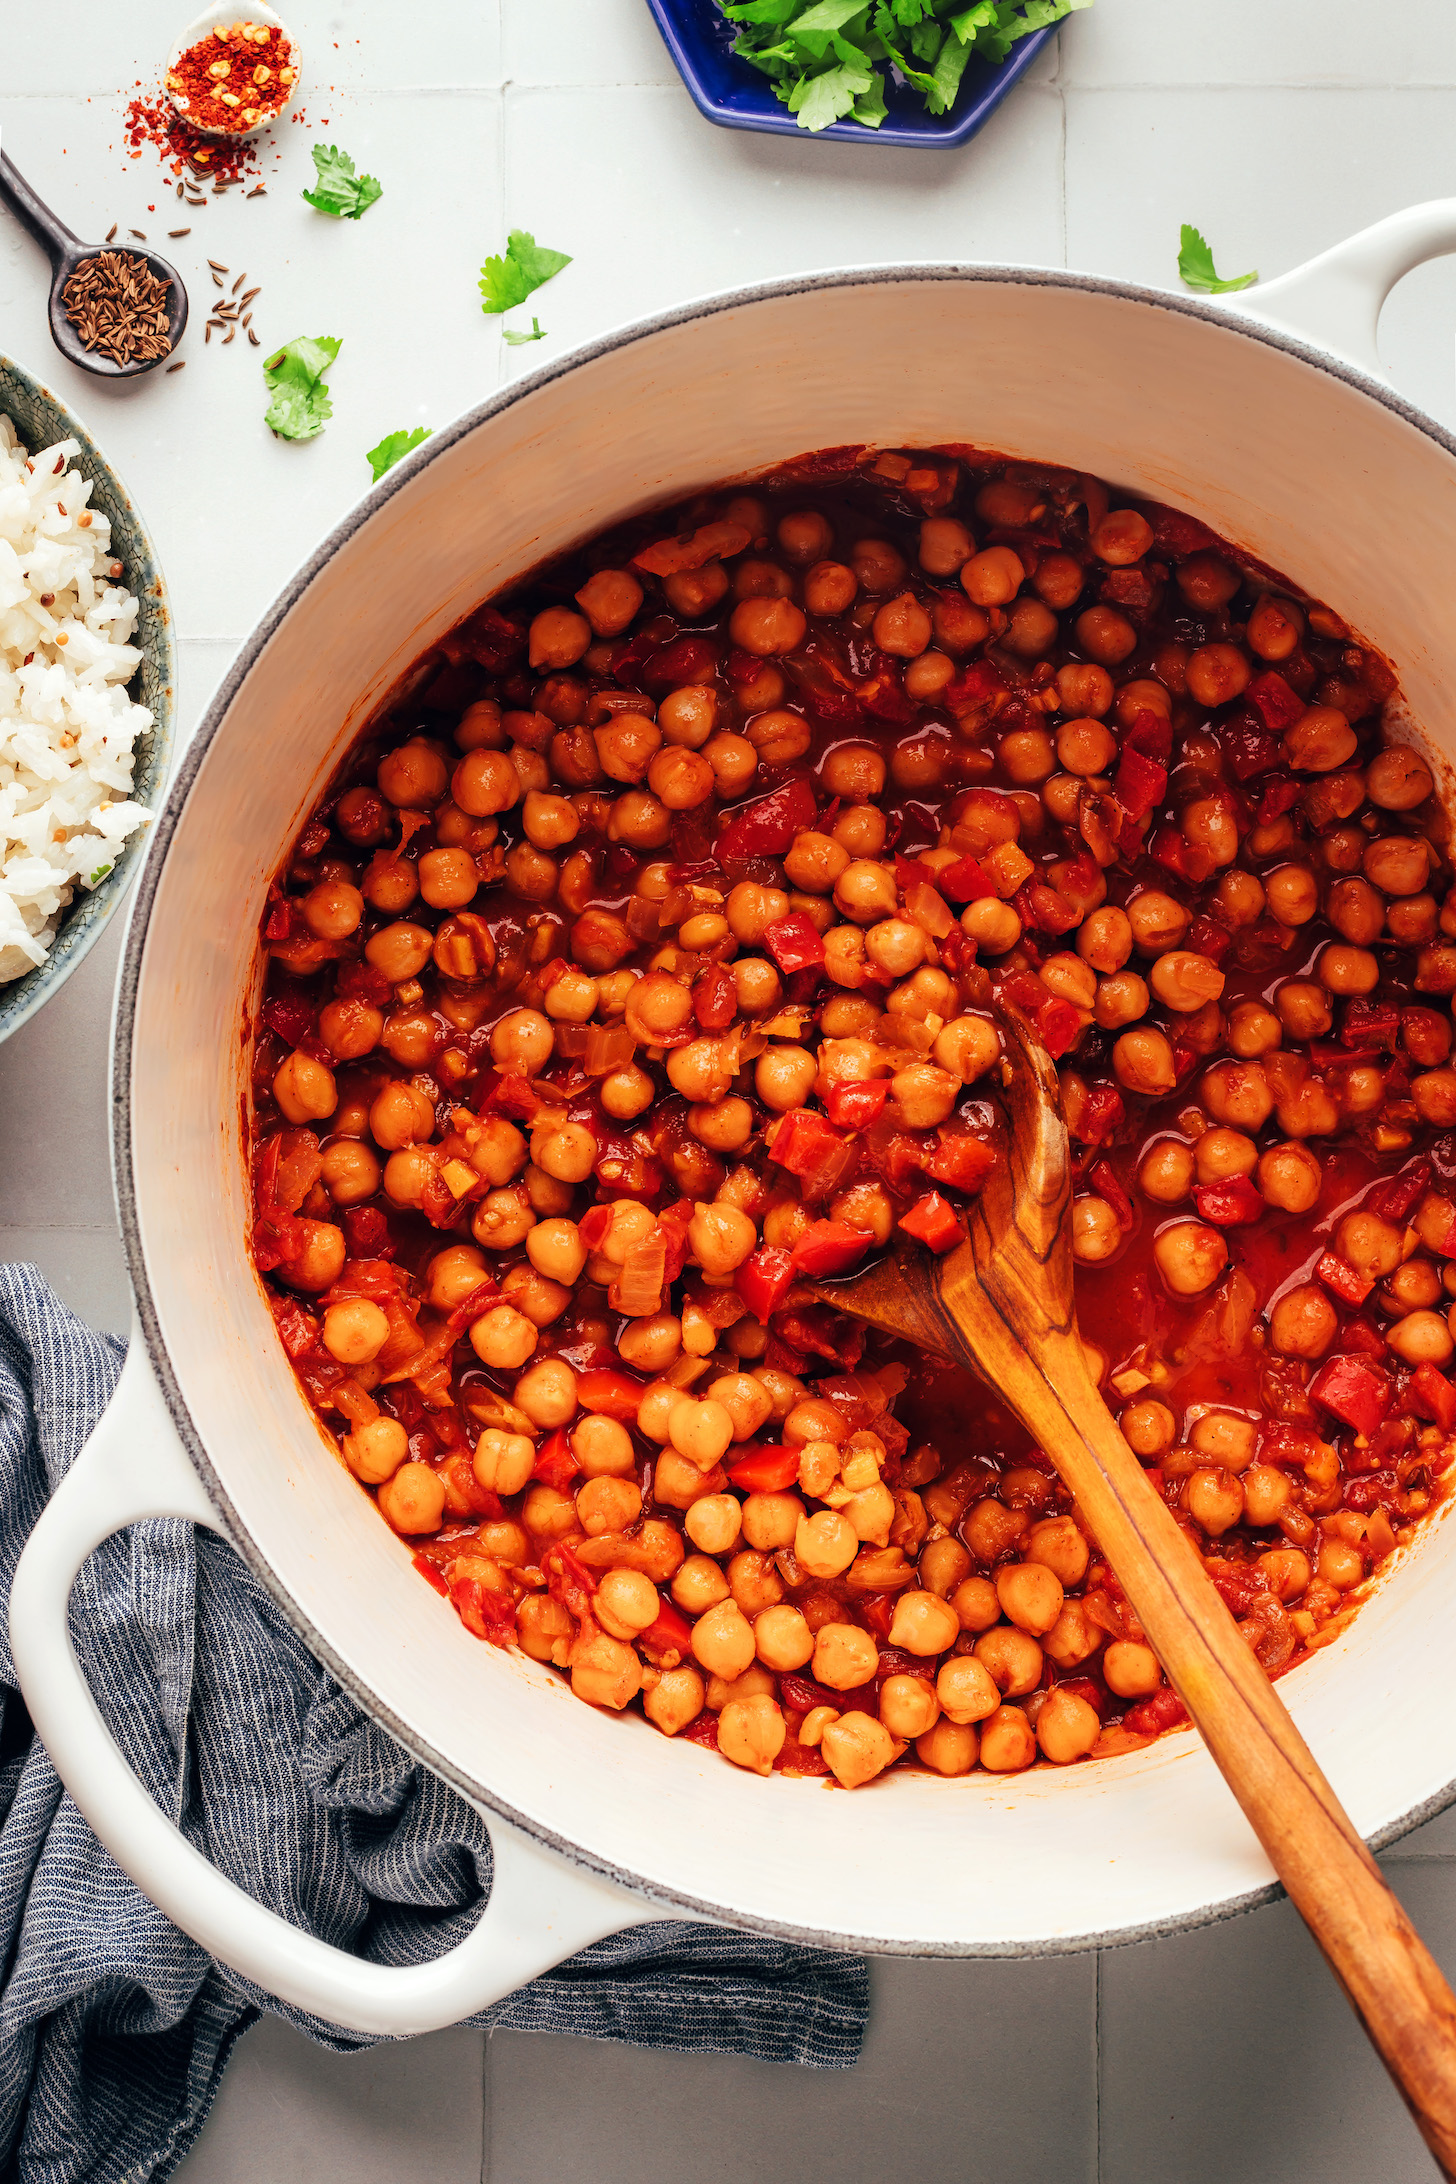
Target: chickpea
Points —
{"points": [[355, 1331], [602, 1446], [1008, 1742], [829, 588], [1186, 982], [993, 926], [413, 1499], [1303, 1322], [1086, 747], [1157, 922], [375, 1451], [1422, 1338], [844, 1656], [605, 1672], [923, 1623], [1190, 1257], [879, 566], [1030, 1595], [1027, 755], [1131, 1670], [567, 1153], [1096, 1231], [714, 1525], [725, 1128], [1340, 1564], [1149, 1428], [857, 1748], [909, 1707], [1288, 1572], [861, 828], [349, 1172], [1347, 970], [1057, 1544], [825, 1544], [350, 1029], [1434, 1095], [1411, 1287], [1122, 999], [1397, 780], [1214, 1498], [992, 578], [503, 1337], [1320, 740], [751, 1733], [1253, 1030], [865, 892], [1142, 1062], [699, 1430], [413, 777], [305, 1089], [1238, 1094], [1105, 635], [768, 628], [1304, 1009], [902, 627], [945, 544], [607, 1505], [1066, 1727], [1369, 1243], [923, 1095], [783, 1638], [674, 1700], [1216, 674]]}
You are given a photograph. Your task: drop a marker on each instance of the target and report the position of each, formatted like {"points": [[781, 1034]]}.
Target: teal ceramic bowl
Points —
{"points": [[41, 419]]}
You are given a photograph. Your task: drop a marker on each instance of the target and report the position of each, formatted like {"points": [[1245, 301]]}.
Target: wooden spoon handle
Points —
{"points": [[1394, 1984]]}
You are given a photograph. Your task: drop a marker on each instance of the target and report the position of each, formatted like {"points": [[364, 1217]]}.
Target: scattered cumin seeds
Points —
{"points": [[218, 266], [251, 293], [139, 233], [179, 366], [207, 333], [111, 233], [237, 284], [227, 337], [257, 344], [174, 232]]}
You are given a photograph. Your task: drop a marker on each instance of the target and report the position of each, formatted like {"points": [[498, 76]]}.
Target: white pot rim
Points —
{"points": [[164, 830]]}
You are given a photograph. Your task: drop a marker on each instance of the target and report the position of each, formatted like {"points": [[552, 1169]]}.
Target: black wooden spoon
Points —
{"points": [[66, 251]]}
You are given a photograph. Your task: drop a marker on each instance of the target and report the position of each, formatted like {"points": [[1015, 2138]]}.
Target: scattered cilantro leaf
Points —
{"points": [[829, 60], [1196, 268], [526, 266], [98, 875], [537, 333], [294, 376], [392, 447], [338, 189]]}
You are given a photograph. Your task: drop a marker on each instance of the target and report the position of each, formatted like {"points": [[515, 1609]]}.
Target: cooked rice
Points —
{"points": [[67, 726]]}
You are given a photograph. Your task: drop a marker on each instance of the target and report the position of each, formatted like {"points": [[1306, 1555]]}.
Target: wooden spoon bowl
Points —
{"points": [[1002, 1303]]}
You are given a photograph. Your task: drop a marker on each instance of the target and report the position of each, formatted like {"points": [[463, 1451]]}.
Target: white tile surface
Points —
{"points": [[1277, 130]]}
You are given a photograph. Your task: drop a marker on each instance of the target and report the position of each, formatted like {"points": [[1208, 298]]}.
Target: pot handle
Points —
{"points": [[1335, 300], [541, 1909]]}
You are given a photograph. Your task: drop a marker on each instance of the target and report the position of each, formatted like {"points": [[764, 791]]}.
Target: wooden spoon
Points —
{"points": [[1002, 1304]]}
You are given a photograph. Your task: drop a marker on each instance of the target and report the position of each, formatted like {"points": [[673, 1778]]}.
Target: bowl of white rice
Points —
{"points": [[87, 692]]}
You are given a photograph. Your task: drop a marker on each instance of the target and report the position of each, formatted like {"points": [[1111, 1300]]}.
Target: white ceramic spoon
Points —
{"points": [[211, 19]]}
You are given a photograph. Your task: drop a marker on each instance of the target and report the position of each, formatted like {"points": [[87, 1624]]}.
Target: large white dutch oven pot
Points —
{"points": [[1276, 429]]}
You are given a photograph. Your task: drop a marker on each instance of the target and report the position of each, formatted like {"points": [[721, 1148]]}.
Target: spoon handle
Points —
{"points": [[1395, 1986], [55, 239]]}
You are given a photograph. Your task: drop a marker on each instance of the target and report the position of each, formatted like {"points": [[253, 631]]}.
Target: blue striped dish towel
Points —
{"points": [[114, 2026]]}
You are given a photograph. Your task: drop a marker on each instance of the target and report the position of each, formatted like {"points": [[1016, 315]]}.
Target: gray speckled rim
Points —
{"points": [[166, 826], [41, 419]]}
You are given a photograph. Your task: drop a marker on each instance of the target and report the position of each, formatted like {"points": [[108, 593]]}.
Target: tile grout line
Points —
{"points": [[1097, 2070]]}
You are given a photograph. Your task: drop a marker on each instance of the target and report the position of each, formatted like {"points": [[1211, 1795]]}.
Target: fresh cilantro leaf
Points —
{"points": [[526, 266], [294, 376], [392, 447], [1196, 267], [98, 875], [870, 107], [339, 190], [537, 333], [819, 100]]}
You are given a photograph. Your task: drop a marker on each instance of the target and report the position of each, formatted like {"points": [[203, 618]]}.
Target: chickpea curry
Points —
{"points": [[641, 966]]}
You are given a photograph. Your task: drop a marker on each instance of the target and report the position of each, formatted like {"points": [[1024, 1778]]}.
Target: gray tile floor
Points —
{"points": [[1215, 2058]]}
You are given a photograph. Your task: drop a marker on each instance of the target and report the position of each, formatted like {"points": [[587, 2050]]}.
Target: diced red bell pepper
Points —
{"points": [[1247, 744], [879, 1613], [1206, 937], [431, 1575], [278, 917], [1433, 1395], [715, 998], [1369, 1024], [1279, 794], [1044, 909], [669, 1640], [1140, 783], [610, 1393], [1341, 1279], [809, 1148], [1106, 1181], [703, 1731], [556, 1463], [1398, 1199], [1354, 1389], [1169, 847], [1277, 706], [932, 1220], [595, 1226], [964, 881], [366, 1233], [1229, 1204], [853, 1105], [801, 1694], [685, 660], [1058, 1026], [359, 981], [1178, 535], [828, 1247], [976, 684], [962, 1161], [1102, 1116], [794, 942], [766, 1471], [764, 1280], [767, 828], [1164, 1710], [1152, 734], [1361, 1339]]}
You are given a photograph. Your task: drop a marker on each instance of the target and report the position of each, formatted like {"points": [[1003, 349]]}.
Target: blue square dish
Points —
{"points": [[736, 96]]}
